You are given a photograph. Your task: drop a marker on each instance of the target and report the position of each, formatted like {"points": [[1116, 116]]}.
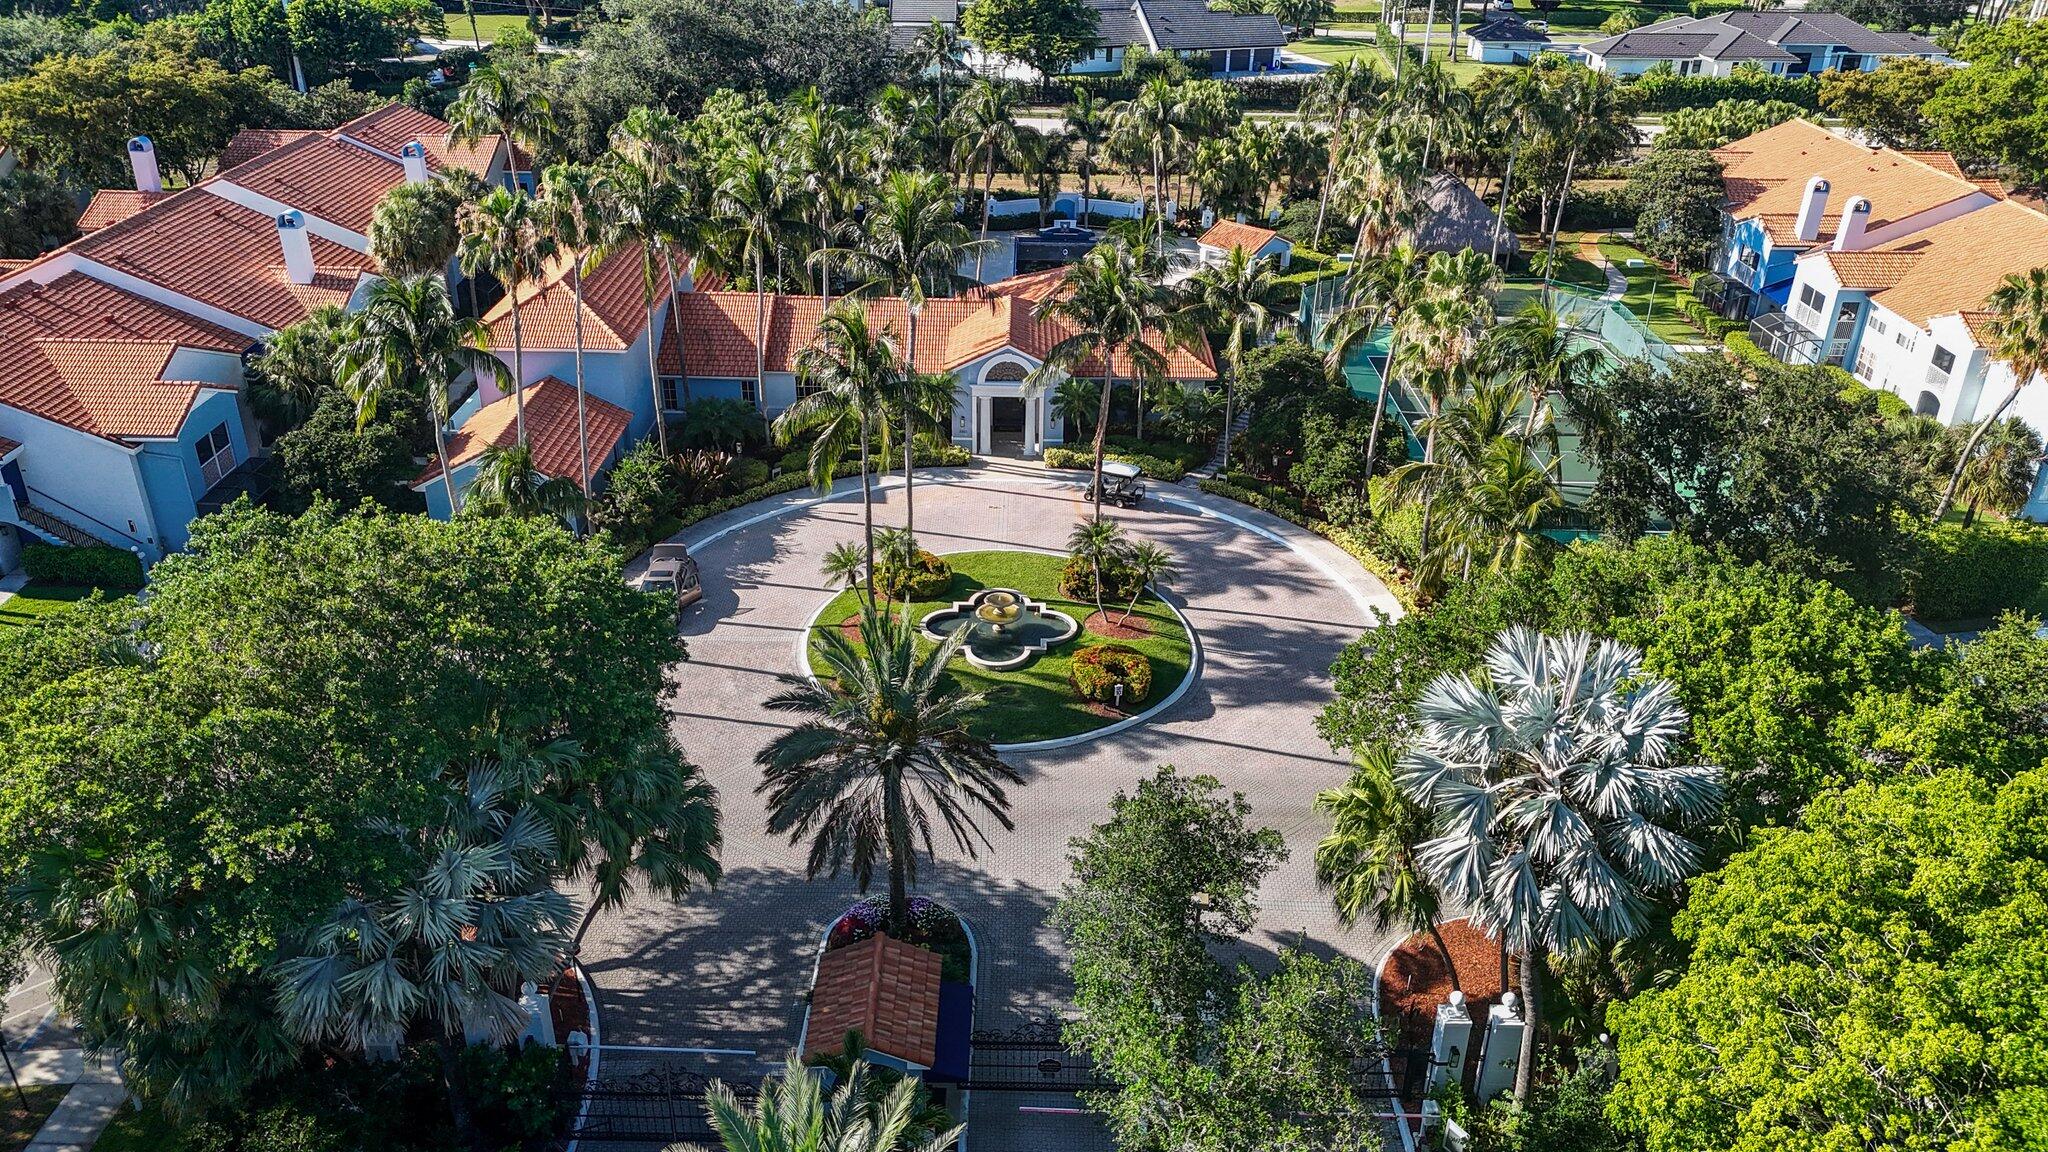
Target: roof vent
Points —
{"points": [[414, 156]]}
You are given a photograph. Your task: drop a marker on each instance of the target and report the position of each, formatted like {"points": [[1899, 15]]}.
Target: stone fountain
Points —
{"points": [[1005, 628]]}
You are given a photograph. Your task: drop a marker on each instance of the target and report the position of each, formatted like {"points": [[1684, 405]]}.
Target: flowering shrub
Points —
{"points": [[925, 579], [933, 927], [1097, 670]]}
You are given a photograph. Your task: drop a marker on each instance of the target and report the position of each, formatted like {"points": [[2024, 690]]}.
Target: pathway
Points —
{"points": [[1617, 284], [1271, 605]]}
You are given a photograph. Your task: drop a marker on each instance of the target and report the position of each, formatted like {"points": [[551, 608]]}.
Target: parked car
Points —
{"points": [[670, 567]]}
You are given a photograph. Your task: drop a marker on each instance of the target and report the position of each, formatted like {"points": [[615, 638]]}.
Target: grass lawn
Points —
{"points": [[488, 28], [17, 1127], [1652, 294], [37, 601], [1035, 702], [144, 1131], [1337, 49]]}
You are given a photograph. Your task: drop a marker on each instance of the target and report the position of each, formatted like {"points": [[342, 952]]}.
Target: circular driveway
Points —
{"points": [[1270, 605]]}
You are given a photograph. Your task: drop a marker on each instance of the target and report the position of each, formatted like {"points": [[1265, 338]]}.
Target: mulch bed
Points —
{"points": [[1104, 624], [1414, 980], [571, 1013]]}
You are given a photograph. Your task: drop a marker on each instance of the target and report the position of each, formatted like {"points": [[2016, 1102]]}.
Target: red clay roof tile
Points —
{"points": [[550, 430], [883, 988], [1228, 234], [113, 205], [614, 312]]}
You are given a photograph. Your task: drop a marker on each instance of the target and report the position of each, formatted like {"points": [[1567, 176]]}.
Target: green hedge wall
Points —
{"points": [[82, 567], [1969, 573]]}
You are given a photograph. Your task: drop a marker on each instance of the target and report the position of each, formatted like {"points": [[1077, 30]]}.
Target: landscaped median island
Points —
{"points": [[1039, 700]]}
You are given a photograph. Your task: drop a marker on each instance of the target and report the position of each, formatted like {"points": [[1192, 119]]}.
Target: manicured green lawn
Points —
{"points": [[17, 1127], [1035, 702], [1652, 294], [37, 601], [1337, 49], [488, 28]]}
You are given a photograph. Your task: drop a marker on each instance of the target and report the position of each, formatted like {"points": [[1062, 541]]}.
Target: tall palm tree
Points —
{"points": [[938, 49], [573, 213], [1088, 129], [1242, 298], [498, 100], [831, 161], [1516, 111], [413, 228], [854, 368], [502, 236], [2000, 476], [794, 1113], [507, 483], [1444, 330], [1549, 776], [405, 343], [1371, 860], [653, 203], [1335, 94], [1553, 356], [1149, 125], [1378, 293], [879, 756], [911, 247], [1108, 304], [754, 214], [1590, 110], [986, 125], [2019, 336]]}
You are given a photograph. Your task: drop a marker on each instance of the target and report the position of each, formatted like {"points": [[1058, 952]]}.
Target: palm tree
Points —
{"points": [[1241, 298], [296, 366], [855, 370], [508, 484], [831, 161], [986, 120], [496, 100], [1088, 128], [1109, 304], [881, 754], [1101, 543], [846, 564], [573, 215], [911, 246], [2001, 475], [1516, 110], [2019, 336], [1548, 774], [1335, 93], [502, 237], [407, 342], [413, 228], [938, 49], [1149, 565], [653, 205], [754, 214], [1378, 294], [794, 1113], [1149, 125], [1444, 329], [1553, 356], [1591, 111], [1371, 862]]}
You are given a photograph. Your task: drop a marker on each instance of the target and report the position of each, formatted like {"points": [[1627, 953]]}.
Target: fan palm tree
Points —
{"points": [[911, 246], [1088, 129], [497, 100], [1371, 862], [508, 484], [1108, 304], [879, 756], [2019, 336], [855, 370], [413, 229], [985, 123], [794, 1113], [502, 236], [1149, 565], [407, 344], [1101, 543], [1242, 298], [573, 214], [1549, 776], [754, 215]]}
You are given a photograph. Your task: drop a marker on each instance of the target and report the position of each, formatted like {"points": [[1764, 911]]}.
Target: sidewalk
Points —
{"points": [[96, 1094]]}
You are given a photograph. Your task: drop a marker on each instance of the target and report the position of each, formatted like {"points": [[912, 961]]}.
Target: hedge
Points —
{"points": [[1746, 350], [1120, 582], [100, 567], [929, 577], [1664, 91], [1970, 573], [1097, 670], [1349, 540], [1598, 209], [1084, 460]]}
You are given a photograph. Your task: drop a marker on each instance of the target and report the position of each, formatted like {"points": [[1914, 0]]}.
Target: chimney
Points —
{"points": [[1812, 210], [142, 158], [1855, 218], [414, 157], [298, 247]]}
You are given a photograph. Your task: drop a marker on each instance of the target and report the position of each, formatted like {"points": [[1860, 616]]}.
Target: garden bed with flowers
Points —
{"points": [[933, 927]]}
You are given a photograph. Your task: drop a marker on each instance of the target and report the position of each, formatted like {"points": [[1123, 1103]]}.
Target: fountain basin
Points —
{"points": [[1006, 627]]}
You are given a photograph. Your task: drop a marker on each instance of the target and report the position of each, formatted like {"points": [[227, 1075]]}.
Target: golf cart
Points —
{"points": [[1122, 484], [670, 566]]}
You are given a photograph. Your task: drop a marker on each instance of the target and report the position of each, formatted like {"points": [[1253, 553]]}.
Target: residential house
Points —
{"points": [[1785, 188], [1258, 243], [1784, 43], [553, 437], [1223, 42], [1505, 39]]}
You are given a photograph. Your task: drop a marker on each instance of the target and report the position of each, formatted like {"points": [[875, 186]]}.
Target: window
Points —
{"points": [[216, 455], [1688, 67], [1877, 325], [805, 386], [1810, 296], [749, 392], [1866, 365], [1944, 360], [671, 393]]}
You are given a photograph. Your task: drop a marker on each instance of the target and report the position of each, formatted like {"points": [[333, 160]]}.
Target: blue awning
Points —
{"points": [[956, 1023]]}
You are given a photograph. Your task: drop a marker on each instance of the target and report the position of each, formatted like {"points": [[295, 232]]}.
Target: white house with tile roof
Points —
{"points": [[1224, 42], [1785, 43]]}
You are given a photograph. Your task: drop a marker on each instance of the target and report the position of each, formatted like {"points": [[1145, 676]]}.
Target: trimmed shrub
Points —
{"points": [[1982, 570], [1084, 460], [1097, 670], [1662, 90], [923, 580], [747, 473], [82, 567], [1599, 209], [1077, 582]]}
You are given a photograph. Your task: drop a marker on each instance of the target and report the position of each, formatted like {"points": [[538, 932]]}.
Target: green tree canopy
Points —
{"points": [[1678, 194], [1997, 109], [1048, 35], [1888, 104]]}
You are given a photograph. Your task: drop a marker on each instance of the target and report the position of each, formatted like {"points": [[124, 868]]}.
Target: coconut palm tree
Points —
{"points": [[1553, 357], [939, 49], [794, 1113], [502, 236], [1549, 776], [1590, 110], [573, 212], [1378, 293], [1088, 129], [855, 369], [985, 126], [2019, 336], [407, 343], [911, 247], [498, 100], [1334, 94], [1243, 299], [754, 216], [1149, 565], [1149, 125], [831, 160], [413, 228], [653, 203], [2001, 476], [879, 756], [1516, 111], [1371, 862], [508, 484], [1108, 304]]}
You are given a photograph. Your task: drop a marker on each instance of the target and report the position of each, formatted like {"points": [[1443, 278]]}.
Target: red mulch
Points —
{"points": [[570, 1011], [1104, 624], [850, 627], [1414, 981], [1097, 708]]}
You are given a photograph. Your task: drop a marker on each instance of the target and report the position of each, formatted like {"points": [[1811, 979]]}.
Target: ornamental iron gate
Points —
{"points": [[659, 1104], [1030, 1058]]}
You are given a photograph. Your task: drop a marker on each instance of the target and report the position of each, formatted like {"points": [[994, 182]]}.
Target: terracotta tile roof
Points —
{"points": [[1033, 286], [1764, 177], [550, 430], [394, 125], [250, 143], [1867, 270], [886, 989], [1228, 234], [220, 253], [113, 205], [325, 177], [92, 357], [613, 309], [1953, 266], [7, 266], [718, 334], [1979, 324]]}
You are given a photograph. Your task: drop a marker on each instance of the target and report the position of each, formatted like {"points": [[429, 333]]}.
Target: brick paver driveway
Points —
{"points": [[729, 968]]}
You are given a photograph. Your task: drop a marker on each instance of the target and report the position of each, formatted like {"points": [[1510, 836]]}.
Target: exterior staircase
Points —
{"points": [[1238, 424], [55, 529]]}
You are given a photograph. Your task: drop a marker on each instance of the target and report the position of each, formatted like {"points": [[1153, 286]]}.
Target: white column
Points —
{"points": [[1504, 1026], [1450, 1043]]}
